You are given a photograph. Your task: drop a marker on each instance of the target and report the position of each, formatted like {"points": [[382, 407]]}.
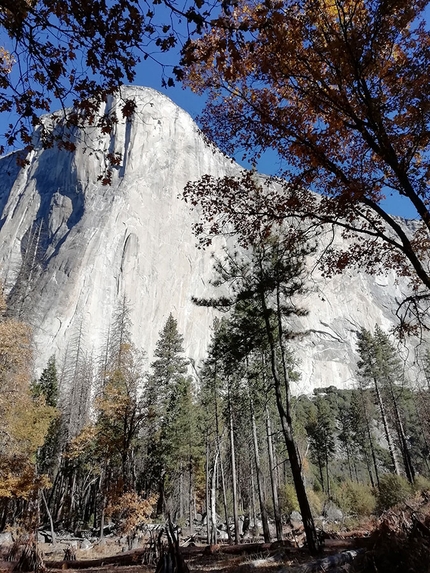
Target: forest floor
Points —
{"points": [[397, 542]]}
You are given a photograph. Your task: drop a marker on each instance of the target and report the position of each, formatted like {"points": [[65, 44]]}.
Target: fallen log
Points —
{"points": [[128, 558], [326, 563], [348, 543], [246, 548]]}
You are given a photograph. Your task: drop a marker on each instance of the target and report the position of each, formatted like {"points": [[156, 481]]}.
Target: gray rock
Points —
{"points": [[6, 537], [295, 516], [86, 544], [222, 535], [332, 513], [133, 239]]}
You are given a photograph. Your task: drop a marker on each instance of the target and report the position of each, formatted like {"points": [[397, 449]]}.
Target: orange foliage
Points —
{"points": [[340, 91], [24, 421], [131, 511]]}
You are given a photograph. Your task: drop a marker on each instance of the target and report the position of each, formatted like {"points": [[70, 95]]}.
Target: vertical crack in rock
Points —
{"points": [[134, 238]]}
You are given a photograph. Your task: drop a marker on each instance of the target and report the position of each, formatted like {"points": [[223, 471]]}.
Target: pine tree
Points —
{"points": [[321, 430], [268, 278], [48, 457], [119, 407], [169, 407], [380, 367]]}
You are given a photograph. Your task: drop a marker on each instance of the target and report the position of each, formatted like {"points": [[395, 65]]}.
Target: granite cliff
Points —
{"points": [[71, 249]]}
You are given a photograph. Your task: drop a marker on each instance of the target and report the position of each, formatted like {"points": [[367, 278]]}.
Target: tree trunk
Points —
{"points": [[409, 468], [263, 510], [224, 496], [273, 480], [287, 430], [190, 495], [233, 475], [208, 509], [213, 526], [372, 449], [327, 473], [391, 447], [51, 522]]}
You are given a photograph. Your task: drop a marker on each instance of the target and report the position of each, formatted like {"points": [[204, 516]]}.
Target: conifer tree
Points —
{"points": [[322, 440], [211, 394], [379, 366], [168, 404], [118, 405], [47, 386], [269, 277]]}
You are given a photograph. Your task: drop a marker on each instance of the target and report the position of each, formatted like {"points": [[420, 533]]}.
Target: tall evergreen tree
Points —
{"points": [[321, 431], [168, 403], [380, 367], [47, 386], [269, 277]]}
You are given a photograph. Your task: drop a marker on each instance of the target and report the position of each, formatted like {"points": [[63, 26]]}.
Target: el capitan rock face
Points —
{"points": [[71, 249]]}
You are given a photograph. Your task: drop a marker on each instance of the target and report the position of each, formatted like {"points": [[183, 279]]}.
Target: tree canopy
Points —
{"points": [[339, 90], [76, 53]]}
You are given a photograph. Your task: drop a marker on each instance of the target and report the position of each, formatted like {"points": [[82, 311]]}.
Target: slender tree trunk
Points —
{"points": [[190, 495], [407, 460], [51, 522], [320, 468], [181, 492], [218, 442], [208, 509], [213, 528], [327, 473], [224, 497], [263, 510], [387, 431], [369, 469], [253, 506], [233, 474], [370, 441], [287, 430], [273, 477], [409, 468]]}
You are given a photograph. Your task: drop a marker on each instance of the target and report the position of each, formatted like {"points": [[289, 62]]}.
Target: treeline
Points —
{"points": [[107, 438]]}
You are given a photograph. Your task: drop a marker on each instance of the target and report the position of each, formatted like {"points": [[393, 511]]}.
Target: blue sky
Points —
{"points": [[149, 74]]}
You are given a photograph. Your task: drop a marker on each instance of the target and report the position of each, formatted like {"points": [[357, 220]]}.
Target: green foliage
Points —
{"points": [[172, 440], [47, 386], [316, 501], [288, 499], [421, 484], [355, 498], [321, 432], [393, 489]]}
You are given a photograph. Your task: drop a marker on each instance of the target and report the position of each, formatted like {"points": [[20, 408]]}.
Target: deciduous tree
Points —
{"points": [[339, 91], [75, 54], [24, 419]]}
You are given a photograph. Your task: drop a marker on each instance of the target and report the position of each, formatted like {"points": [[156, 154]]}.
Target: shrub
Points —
{"points": [[421, 484], [393, 489], [288, 499], [356, 498], [316, 501]]}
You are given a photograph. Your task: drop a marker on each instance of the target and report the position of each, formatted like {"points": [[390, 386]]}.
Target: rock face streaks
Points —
{"points": [[71, 249]]}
